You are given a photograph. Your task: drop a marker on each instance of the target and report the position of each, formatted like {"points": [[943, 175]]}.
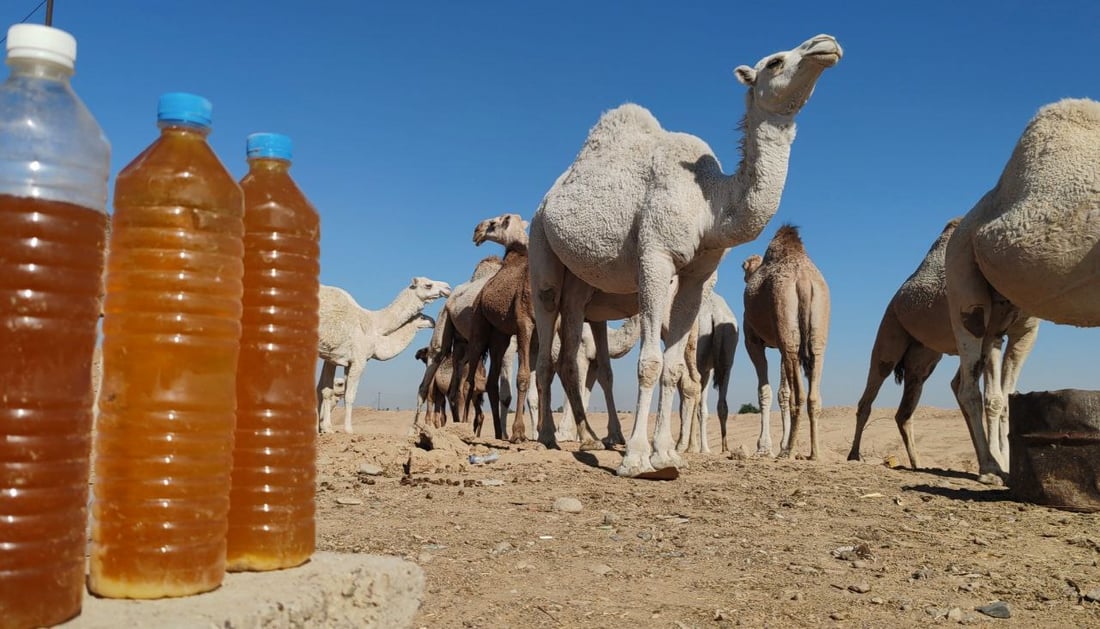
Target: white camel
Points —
{"points": [[639, 205], [1033, 239], [351, 335]]}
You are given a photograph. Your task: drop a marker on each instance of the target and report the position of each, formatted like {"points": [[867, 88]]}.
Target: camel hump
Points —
{"points": [[1082, 111], [786, 241], [628, 118]]}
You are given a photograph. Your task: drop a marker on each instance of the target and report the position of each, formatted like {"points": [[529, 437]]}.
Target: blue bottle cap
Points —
{"points": [[274, 145], [184, 107]]}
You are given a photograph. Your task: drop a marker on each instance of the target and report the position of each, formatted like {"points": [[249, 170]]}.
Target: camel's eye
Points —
{"points": [[775, 64]]}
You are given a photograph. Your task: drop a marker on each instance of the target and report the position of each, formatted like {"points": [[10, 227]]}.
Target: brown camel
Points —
{"points": [[787, 307], [916, 332], [439, 389], [502, 309]]}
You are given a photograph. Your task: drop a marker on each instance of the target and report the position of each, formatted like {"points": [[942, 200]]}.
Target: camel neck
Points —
{"points": [[406, 306], [395, 342], [751, 195]]}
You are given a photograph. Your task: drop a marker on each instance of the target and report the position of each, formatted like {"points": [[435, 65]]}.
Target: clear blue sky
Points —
{"points": [[413, 121]]}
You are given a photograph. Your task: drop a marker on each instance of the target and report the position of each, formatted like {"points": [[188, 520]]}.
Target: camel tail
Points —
{"points": [[899, 371], [446, 339], [725, 344], [807, 331]]}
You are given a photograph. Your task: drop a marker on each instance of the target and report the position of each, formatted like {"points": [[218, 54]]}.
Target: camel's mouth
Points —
{"points": [[827, 58]]}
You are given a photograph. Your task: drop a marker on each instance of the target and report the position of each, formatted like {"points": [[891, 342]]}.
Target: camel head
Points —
{"points": [[429, 290], [505, 229], [782, 82], [422, 355], [488, 266], [423, 322], [750, 265]]}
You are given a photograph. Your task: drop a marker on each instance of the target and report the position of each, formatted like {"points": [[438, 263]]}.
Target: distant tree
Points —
{"points": [[748, 408], [560, 409]]}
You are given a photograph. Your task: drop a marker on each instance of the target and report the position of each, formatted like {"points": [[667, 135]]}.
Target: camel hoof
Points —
{"points": [[681, 447], [764, 452], [668, 458], [609, 442], [349, 430], [992, 479], [589, 445], [550, 443], [634, 465], [784, 454], [520, 438], [854, 456]]}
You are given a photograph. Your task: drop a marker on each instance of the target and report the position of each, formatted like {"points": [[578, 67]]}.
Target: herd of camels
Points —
{"points": [[635, 229]]}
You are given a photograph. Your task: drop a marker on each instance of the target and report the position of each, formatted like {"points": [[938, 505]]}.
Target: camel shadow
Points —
{"points": [[589, 459], [992, 494], [946, 473]]}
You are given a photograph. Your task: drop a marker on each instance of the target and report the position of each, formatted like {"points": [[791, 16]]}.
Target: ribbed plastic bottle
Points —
{"points": [[171, 333], [54, 163], [271, 509]]}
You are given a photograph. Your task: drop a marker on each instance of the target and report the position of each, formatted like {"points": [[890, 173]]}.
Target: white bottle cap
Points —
{"points": [[34, 41]]}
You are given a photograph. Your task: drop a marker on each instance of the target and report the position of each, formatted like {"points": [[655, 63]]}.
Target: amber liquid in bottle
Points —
{"points": [[167, 404], [271, 506], [51, 254]]}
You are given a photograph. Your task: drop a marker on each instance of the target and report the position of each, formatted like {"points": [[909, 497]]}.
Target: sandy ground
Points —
{"points": [[733, 541]]}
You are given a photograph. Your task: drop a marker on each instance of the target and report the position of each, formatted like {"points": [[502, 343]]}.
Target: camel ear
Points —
{"points": [[745, 75]]}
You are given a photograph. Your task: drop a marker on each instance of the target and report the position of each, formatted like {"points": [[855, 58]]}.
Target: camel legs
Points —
{"points": [[677, 370], [1021, 340], [919, 363], [970, 307], [690, 392], [567, 430], [498, 345], [724, 342], [754, 347], [507, 368], [606, 379], [575, 297], [547, 275], [328, 376], [889, 349], [354, 371], [790, 385], [524, 333]]}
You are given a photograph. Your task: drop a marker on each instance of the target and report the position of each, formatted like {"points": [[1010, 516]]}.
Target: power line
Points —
{"points": [[25, 18]]}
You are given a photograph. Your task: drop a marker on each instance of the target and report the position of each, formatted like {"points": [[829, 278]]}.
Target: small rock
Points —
{"points": [[348, 501], [645, 536], [877, 600], [491, 482], [424, 558], [1093, 595], [936, 612], [955, 614], [601, 569], [922, 573], [370, 469], [859, 564], [502, 548], [567, 505], [610, 519], [859, 588], [740, 454], [537, 478], [996, 609], [839, 615], [797, 596]]}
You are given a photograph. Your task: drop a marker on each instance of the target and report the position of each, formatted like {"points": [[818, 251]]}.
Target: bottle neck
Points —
{"points": [[39, 69], [271, 164], [179, 127]]}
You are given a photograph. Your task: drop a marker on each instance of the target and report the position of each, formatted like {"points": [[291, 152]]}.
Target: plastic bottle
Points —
{"points": [[171, 333], [476, 459], [54, 163], [271, 509]]}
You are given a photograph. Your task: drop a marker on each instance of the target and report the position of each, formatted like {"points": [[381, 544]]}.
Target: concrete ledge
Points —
{"points": [[332, 590]]}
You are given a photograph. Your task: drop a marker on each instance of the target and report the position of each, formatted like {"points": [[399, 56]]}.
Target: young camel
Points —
{"points": [[1033, 239], [440, 387], [640, 205], [915, 333], [787, 307], [502, 310], [351, 335]]}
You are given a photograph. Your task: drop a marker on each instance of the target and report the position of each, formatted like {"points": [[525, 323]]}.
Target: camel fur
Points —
{"points": [[351, 335], [915, 333], [639, 205], [1033, 239], [787, 307]]}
